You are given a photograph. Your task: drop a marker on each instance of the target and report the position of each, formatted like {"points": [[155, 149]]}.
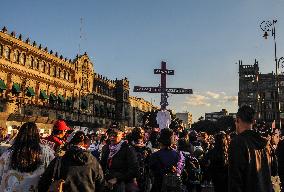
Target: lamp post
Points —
{"points": [[269, 27]]}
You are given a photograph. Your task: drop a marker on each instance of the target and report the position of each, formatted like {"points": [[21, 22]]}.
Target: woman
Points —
{"points": [[143, 154], [80, 170], [218, 162], [166, 161], [119, 163], [23, 163]]}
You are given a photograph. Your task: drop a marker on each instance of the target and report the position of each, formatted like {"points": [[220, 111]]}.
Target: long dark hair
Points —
{"points": [[137, 134], [26, 149], [221, 149]]}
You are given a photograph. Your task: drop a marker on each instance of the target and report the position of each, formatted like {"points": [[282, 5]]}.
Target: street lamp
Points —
{"points": [[269, 27]]}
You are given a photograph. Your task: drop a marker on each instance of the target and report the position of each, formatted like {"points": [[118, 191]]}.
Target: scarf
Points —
{"points": [[113, 149]]}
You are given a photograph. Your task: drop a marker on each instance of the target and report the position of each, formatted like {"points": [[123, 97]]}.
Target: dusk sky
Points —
{"points": [[202, 40]]}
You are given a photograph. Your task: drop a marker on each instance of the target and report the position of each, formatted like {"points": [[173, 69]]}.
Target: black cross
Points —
{"points": [[163, 87]]}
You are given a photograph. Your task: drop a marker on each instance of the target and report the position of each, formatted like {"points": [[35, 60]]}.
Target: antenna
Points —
{"points": [[81, 34]]}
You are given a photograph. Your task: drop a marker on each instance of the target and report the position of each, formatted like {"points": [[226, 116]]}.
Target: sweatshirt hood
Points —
{"points": [[254, 137], [78, 155]]}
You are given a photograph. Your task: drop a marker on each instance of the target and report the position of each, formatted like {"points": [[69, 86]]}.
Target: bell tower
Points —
{"points": [[122, 101]]}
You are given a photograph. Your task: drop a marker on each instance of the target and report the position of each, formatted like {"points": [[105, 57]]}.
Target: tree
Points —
{"points": [[200, 118], [149, 119], [175, 124], [226, 123], [207, 126]]}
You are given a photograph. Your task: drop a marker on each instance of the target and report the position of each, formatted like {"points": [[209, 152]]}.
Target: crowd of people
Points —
{"points": [[249, 159]]}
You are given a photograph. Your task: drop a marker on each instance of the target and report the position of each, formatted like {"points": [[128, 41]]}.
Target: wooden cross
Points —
{"points": [[163, 87]]}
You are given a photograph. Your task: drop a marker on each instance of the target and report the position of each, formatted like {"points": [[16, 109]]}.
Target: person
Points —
{"points": [[56, 140], [249, 161], [218, 162], [94, 147], [153, 143], [143, 154], [119, 162], [166, 161], [191, 174], [80, 170], [280, 156], [23, 163]]}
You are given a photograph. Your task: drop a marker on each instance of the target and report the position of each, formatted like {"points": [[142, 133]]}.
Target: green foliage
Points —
{"points": [[207, 126], [225, 123]]}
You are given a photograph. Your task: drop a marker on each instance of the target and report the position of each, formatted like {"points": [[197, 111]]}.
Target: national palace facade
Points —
{"points": [[37, 84]]}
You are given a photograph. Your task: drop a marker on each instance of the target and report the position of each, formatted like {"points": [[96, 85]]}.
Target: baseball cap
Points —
{"points": [[61, 126]]}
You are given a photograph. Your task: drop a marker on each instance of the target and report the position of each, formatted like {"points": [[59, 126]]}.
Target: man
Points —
{"points": [[56, 139], [78, 168], [280, 156], [119, 162], [249, 160]]}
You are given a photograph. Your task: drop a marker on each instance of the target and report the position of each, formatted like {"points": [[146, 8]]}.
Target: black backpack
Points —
{"points": [[171, 182], [193, 169], [143, 177]]}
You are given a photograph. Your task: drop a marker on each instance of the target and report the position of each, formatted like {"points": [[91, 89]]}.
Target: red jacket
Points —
{"points": [[52, 141]]}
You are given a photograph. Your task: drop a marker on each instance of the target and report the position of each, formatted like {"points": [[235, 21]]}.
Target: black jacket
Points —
{"points": [[79, 169], [249, 163], [123, 166], [218, 169], [280, 155]]}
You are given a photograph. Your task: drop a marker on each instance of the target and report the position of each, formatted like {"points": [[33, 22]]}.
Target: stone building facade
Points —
{"points": [[37, 84], [214, 116], [186, 118], [260, 92], [138, 107]]}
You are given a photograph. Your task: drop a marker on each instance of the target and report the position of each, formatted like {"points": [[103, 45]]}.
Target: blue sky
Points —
{"points": [[201, 40]]}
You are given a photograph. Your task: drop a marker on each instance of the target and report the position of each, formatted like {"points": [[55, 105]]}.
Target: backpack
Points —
{"points": [[171, 182], [143, 178], [193, 170]]}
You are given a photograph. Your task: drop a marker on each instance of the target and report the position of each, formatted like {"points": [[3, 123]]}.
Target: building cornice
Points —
{"points": [[35, 75]]}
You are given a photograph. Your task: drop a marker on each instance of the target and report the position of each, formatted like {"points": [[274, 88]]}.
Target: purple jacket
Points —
{"points": [[163, 160]]}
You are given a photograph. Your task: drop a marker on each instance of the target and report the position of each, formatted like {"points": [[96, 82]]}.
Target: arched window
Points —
{"points": [[54, 71], [24, 58], [16, 56], [43, 67], [7, 52], [59, 72], [32, 62], [85, 65], [37, 66], [48, 68], [1, 50]]}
